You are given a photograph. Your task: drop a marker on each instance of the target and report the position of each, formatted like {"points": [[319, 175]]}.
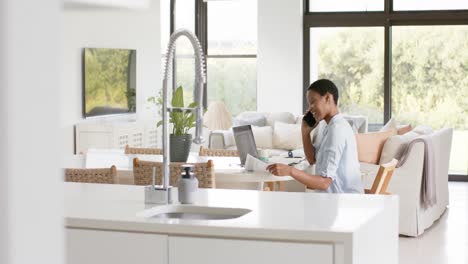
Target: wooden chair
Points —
{"points": [[218, 152], [147, 151], [100, 175], [383, 178], [143, 171]]}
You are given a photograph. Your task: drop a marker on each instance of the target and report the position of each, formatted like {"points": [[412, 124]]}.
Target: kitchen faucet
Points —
{"points": [[163, 194]]}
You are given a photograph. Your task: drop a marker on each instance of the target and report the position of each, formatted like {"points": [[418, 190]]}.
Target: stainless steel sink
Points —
{"points": [[193, 212], [196, 216]]}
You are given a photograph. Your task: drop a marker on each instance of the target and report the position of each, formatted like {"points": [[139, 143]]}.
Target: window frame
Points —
{"points": [[387, 19], [201, 31]]}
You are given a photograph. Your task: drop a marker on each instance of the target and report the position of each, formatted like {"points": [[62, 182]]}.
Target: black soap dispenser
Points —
{"points": [[188, 185]]}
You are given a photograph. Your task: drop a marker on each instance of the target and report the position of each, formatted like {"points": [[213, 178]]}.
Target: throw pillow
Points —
{"points": [[370, 145], [263, 136], [395, 145], [250, 114], [285, 117], [249, 120], [287, 136], [391, 125], [423, 130], [403, 129]]}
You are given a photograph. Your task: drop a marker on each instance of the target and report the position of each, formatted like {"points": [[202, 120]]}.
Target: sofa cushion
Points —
{"points": [[287, 136], [284, 117], [263, 136], [394, 146], [249, 118], [370, 145]]}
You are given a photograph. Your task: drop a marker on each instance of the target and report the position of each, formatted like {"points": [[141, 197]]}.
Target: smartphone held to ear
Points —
{"points": [[309, 119]]}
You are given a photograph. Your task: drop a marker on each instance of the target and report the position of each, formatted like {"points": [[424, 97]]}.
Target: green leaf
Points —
{"points": [[178, 97], [151, 99], [182, 121], [193, 105]]}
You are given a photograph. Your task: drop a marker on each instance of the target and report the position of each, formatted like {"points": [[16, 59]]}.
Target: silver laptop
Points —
{"points": [[245, 142]]}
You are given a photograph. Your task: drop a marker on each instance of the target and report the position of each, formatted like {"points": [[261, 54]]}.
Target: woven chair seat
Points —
{"points": [[99, 175], [143, 171], [144, 151], [218, 152]]}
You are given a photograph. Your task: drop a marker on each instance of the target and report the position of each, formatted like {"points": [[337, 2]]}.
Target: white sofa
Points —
{"points": [[278, 132], [406, 183]]}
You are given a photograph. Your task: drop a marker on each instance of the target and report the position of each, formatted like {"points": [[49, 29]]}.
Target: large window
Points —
{"points": [[389, 62], [232, 49], [230, 45], [183, 71], [353, 59], [430, 82]]}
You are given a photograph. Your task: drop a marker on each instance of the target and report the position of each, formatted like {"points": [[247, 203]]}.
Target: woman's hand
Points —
{"points": [[279, 169]]}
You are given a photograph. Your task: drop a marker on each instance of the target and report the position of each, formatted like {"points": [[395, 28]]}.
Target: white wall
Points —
{"points": [[31, 227], [279, 58], [108, 28]]}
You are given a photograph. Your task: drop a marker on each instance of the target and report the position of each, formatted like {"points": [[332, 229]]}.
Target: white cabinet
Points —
{"points": [[99, 247], [184, 250], [115, 135]]}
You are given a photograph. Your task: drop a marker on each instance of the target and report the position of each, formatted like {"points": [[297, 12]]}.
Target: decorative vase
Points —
{"points": [[180, 147]]}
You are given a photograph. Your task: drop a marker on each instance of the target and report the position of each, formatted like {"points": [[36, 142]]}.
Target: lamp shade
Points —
{"points": [[217, 116]]}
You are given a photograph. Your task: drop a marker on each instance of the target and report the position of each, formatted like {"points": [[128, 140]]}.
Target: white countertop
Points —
{"points": [[275, 215]]}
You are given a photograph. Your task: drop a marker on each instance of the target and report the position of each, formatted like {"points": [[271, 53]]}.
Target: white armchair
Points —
{"points": [[406, 183]]}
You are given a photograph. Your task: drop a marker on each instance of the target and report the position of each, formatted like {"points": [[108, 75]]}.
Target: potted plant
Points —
{"points": [[180, 140]]}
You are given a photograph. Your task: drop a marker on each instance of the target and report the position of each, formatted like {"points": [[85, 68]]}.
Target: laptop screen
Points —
{"points": [[245, 142]]}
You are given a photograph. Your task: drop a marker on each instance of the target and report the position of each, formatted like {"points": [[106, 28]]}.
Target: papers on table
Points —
{"points": [[254, 164]]}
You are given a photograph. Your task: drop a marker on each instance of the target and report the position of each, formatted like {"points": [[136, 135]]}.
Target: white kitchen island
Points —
{"points": [[102, 226]]}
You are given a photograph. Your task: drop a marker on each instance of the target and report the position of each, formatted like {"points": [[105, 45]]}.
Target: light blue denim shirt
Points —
{"points": [[336, 157]]}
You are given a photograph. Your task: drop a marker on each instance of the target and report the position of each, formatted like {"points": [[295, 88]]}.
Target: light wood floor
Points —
{"points": [[447, 240]]}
